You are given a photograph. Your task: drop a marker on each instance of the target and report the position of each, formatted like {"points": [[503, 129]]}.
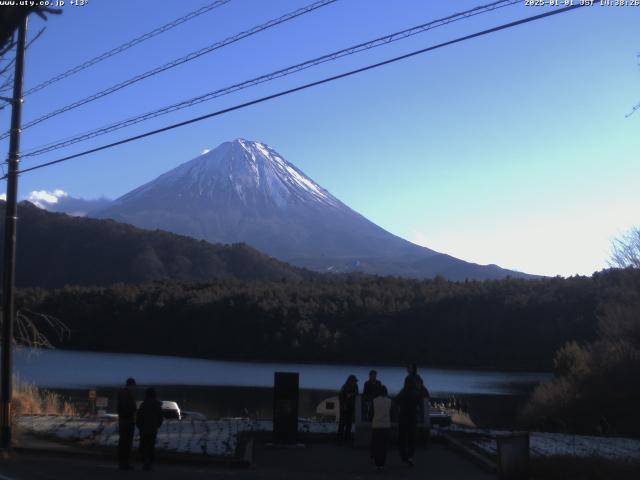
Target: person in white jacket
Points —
{"points": [[380, 427]]}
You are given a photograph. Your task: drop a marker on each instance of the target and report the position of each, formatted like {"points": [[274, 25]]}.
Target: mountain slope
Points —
{"points": [[244, 191], [55, 249]]}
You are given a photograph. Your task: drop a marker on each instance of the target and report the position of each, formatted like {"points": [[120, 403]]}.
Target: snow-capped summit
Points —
{"points": [[245, 191], [251, 172]]}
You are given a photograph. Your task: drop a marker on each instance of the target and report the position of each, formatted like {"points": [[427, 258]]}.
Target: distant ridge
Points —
{"points": [[55, 249]]}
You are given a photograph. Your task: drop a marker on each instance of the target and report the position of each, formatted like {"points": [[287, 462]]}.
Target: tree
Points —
{"points": [[625, 250], [11, 17]]}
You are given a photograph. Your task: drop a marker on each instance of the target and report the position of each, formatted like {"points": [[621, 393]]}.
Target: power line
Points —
{"points": [[633, 110], [179, 61], [125, 46], [269, 77], [304, 87]]}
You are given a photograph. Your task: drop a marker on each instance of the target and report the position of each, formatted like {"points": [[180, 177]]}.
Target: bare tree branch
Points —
{"points": [[637, 107], [625, 250], [8, 46], [31, 326], [633, 110], [12, 17], [6, 70]]}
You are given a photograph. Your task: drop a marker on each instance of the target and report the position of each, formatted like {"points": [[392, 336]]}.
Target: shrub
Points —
{"points": [[30, 400]]}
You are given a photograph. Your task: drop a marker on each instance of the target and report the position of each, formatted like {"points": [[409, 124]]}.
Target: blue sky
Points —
{"points": [[511, 149]]}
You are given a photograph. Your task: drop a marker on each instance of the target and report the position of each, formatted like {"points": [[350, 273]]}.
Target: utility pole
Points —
{"points": [[9, 265]]}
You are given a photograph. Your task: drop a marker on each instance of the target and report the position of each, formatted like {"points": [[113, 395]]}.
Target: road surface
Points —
{"points": [[316, 461]]}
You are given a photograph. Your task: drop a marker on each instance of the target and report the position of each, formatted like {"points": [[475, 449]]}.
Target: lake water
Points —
{"points": [[60, 369]]}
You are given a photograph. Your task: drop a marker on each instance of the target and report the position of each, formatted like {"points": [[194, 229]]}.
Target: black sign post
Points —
{"points": [[285, 407]]}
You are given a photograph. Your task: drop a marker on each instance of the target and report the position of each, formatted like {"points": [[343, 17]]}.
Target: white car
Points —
{"points": [[169, 409]]}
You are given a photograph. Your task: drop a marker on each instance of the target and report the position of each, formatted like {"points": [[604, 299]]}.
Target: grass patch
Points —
{"points": [[31, 400]]}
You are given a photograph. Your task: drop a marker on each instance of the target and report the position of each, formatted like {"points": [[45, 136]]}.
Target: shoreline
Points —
{"points": [[319, 363]]}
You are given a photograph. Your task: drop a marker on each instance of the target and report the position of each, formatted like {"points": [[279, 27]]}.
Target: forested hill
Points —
{"points": [[55, 249], [502, 324]]}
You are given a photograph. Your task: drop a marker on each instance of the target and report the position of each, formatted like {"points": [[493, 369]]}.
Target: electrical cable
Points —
{"points": [[267, 77], [126, 46], [179, 61], [305, 86]]}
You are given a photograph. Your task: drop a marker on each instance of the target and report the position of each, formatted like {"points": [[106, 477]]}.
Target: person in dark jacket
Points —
{"points": [[408, 402], [412, 373], [370, 390], [413, 376], [347, 396], [148, 421], [126, 423], [372, 386]]}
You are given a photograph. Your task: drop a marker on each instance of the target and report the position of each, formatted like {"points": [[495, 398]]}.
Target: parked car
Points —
{"points": [[170, 410]]}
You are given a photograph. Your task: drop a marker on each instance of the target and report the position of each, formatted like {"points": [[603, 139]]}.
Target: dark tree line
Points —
{"points": [[55, 249], [503, 324], [595, 388]]}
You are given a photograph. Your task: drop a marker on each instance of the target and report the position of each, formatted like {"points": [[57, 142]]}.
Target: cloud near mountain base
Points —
{"points": [[60, 201]]}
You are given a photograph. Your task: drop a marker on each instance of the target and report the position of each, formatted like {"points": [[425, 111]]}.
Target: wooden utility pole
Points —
{"points": [[11, 218]]}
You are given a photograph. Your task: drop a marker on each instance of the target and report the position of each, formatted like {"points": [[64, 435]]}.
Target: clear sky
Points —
{"points": [[511, 149]]}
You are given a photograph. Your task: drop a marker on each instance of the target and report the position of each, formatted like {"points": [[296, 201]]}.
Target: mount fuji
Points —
{"points": [[244, 191]]}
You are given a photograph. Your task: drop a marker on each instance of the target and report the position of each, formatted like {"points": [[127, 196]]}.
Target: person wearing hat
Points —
{"points": [[126, 423], [347, 397]]}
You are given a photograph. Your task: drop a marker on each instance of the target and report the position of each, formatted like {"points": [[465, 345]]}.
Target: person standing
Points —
{"points": [[372, 386], [408, 401], [347, 397], [412, 374], [370, 390], [126, 423], [148, 420], [380, 427]]}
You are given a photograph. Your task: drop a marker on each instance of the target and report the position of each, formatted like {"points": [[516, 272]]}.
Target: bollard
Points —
{"points": [[513, 456], [285, 407]]}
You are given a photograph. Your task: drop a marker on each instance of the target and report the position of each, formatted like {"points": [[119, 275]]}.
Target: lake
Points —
{"points": [[72, 369], [225, 388]]}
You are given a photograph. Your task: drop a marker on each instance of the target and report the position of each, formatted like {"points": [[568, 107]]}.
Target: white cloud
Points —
{"points": [[44, 199], [60, 201], [3, 196], [205, 151]]}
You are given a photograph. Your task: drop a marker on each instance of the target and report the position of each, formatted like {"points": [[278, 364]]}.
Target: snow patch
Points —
{"points": [[252, 169], [543, 444], [216, 438]]}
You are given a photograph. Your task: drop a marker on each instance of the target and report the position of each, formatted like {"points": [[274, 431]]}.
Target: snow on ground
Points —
{"points": [[216, 438], [552, 444]]}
